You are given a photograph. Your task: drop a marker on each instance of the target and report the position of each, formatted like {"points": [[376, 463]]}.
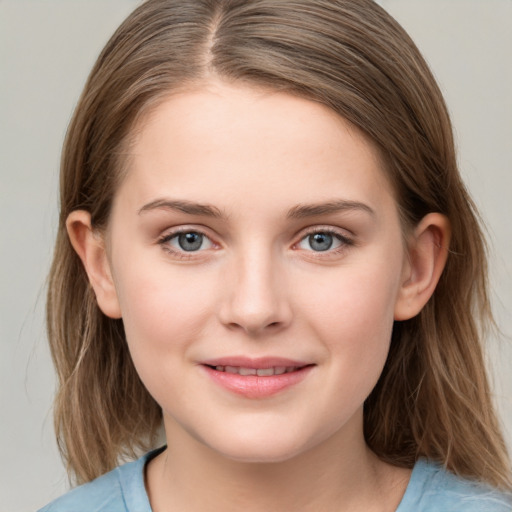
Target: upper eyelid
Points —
{"points": [[177, 230], [342, 232]]}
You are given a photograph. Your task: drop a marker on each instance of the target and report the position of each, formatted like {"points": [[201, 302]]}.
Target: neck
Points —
{"points": [[338, 474]]}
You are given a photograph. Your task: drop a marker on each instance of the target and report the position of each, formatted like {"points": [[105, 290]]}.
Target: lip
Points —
{"points": [[255, 386], [258, 362]]}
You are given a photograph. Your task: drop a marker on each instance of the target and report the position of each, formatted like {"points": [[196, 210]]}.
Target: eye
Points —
{"points": [[322, 241], [187, 241]]}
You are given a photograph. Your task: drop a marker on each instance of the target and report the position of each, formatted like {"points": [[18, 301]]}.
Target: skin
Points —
{"points": [[257, 287]]}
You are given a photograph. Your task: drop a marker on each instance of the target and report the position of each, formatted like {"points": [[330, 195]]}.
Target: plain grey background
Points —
{"points": [[47, 48]]}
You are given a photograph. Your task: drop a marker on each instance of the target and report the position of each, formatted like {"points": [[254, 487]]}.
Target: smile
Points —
{"points": [[260, 372], [256, 379]]}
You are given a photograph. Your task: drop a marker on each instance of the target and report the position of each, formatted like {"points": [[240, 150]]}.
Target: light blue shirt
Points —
{"points": [[430, 489]]}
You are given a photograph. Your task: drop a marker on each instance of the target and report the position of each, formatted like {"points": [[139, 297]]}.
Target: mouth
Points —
{"points": [[260, 372], [256, 378]]}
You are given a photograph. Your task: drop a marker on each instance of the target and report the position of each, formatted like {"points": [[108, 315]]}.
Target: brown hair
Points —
{"points": [[433, 397]]}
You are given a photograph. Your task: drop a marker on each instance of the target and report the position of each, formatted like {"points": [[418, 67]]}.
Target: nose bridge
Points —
{"points": [[257, 299]]}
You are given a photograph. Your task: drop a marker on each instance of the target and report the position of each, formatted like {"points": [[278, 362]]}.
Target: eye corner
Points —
{"points": [[330, 241], [186, 242]]}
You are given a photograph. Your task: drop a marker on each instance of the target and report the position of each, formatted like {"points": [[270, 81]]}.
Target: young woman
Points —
{"points": [[266, 248]]}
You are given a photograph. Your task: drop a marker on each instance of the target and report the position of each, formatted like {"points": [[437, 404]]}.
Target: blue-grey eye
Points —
{"points": [[190, 241], [320, 242]]}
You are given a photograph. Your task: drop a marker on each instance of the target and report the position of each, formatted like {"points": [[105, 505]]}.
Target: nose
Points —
{"points": [[255, 298]]}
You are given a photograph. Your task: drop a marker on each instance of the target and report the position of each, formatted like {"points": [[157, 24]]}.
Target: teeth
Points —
{"points": [[247, 371], [263, 372], [260, 372]]}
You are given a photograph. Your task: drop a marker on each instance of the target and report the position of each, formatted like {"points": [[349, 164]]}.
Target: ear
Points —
{"points": [[427, 254], [90, 247]]}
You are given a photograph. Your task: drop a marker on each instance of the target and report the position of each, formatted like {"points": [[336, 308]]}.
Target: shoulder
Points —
{"points": [[433, 488], [101, 494], [120, 490]]}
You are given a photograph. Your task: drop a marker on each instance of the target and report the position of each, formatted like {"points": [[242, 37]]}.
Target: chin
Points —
{"points": [[262, 455], [262, 447]]}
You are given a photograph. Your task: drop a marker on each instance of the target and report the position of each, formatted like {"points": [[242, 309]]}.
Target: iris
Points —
{"points": [[320, 241], [190, 241]]}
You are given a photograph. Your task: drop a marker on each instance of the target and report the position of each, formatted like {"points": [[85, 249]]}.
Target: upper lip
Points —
{"points": [[257, 363]]}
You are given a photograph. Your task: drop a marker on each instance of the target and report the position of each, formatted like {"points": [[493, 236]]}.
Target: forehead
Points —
{"points": [[240, 145]]}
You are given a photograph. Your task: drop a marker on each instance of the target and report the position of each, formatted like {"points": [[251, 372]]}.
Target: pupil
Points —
{"points": [[190, 241], [320, 241]]}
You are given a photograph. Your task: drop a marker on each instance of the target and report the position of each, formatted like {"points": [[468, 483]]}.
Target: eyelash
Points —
{"points": [[345, 242], [164, 240]]}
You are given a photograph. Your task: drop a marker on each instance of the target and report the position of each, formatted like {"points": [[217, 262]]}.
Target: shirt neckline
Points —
{"points": [[132, 479], [136, 497], [415, 485]]}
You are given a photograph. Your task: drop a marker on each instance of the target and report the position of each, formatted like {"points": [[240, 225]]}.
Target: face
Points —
{"points": [[257, 256]]}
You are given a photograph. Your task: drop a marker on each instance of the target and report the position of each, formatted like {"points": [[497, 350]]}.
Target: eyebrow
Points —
{"points": [[302, 211], [189, 207]]}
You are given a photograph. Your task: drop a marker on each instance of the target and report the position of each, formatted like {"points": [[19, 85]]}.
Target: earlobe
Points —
{"points": [[90, 247], [427, 254]]}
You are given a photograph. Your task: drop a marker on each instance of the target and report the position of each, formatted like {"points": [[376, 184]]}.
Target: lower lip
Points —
{"points": [[254, 386]]}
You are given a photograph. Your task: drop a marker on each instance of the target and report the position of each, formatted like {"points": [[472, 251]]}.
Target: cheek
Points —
{"points": [[163, 311], [352, 313], [163, 308]]}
